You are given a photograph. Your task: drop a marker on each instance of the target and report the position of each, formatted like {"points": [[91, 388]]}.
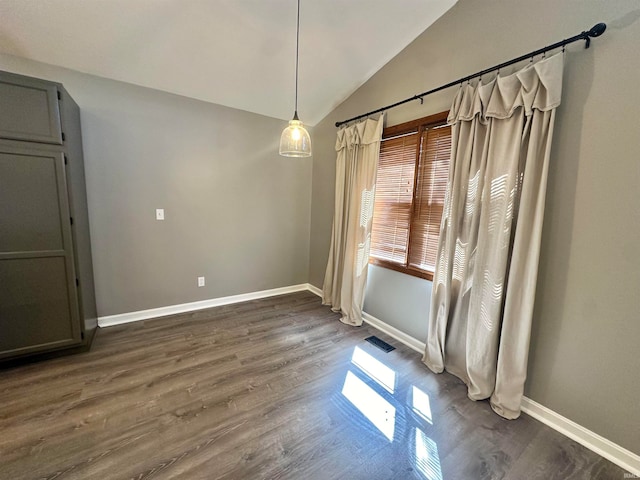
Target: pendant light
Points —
{"points": [[295, 140]]}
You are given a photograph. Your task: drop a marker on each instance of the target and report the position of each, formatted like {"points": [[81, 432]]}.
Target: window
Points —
{"points": [[410, 189]]}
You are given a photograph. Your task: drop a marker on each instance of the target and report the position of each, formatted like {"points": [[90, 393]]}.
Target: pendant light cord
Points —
{"points": [[297, 53]]}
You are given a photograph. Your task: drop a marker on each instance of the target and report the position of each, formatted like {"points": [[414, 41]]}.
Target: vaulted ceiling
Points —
{"points": [[237, 53]]}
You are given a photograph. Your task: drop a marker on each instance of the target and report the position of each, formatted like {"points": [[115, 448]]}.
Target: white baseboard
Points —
{"points": [[594, 442], [600, 445], [393, 332], [121, 318], [314, 289]]}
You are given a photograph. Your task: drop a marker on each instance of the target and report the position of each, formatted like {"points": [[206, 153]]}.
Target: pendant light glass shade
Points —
{"points": [[295, 140]]}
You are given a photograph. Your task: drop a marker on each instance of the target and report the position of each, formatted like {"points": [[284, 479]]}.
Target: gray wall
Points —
{"points": [[400, 299], [584, 358], [236, 212]]}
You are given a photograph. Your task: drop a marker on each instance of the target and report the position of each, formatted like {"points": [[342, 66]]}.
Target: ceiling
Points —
{"points": [[237, 53]]}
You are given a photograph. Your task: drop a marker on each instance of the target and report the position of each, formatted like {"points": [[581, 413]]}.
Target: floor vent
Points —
{"points": [[381, 344]]}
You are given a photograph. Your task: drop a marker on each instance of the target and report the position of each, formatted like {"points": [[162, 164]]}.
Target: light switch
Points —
{"points": [[159, 213], [201, 281]]}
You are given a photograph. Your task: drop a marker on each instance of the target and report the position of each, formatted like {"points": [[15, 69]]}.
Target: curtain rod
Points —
{"points": [[587, 35]]}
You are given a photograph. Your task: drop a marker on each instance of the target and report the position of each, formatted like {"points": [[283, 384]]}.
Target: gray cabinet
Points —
{"points": [[47, 299], [30, 110]]}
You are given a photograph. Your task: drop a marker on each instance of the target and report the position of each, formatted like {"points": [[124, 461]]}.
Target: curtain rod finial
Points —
{"points": [[597, 30]]}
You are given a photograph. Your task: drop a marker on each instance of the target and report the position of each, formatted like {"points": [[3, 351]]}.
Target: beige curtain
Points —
{"points": [[485, 280], [358, 148]]}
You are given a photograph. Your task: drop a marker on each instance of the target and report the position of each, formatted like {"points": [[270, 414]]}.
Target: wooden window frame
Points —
{"points": [[413, 126]]}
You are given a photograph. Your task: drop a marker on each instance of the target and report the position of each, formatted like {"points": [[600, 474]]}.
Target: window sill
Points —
{"points": [[401, 268]]}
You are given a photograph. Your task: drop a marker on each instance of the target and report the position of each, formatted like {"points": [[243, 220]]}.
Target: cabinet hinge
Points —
{"points": [[71, 218], [63, 137]]}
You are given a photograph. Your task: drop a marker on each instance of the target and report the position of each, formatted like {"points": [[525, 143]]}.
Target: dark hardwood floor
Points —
{"points": [[275, 388]]}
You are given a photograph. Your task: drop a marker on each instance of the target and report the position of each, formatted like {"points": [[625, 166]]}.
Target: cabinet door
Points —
{"points": [[38, 298], [29, 109]]}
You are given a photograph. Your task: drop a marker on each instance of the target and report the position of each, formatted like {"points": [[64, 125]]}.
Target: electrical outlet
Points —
{"points": [[159, 213], [201, 281]]}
